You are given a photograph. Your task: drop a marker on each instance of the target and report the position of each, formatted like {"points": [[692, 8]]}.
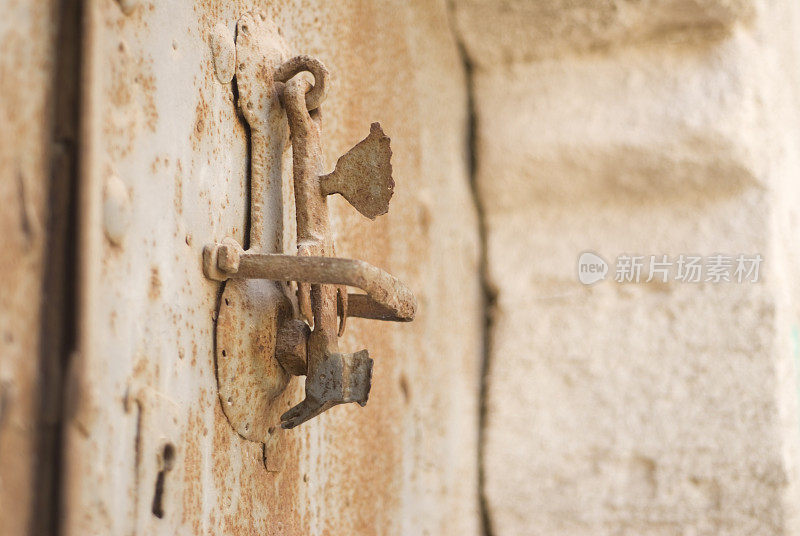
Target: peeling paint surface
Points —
{"points": [[148, 447]]}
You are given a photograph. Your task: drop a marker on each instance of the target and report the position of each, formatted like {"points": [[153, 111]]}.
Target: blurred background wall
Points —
{"points": [[637, 127]]}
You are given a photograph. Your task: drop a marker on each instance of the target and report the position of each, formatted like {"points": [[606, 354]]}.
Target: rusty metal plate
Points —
{"points": [[250, 378]]}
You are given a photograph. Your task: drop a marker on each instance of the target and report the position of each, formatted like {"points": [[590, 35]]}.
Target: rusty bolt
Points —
{"points": [[127, 6], [116, 209], [223, 52], [291, 345], [228, 258]]}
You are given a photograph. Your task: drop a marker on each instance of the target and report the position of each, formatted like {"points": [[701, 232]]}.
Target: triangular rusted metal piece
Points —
{"points": [[363, 175]]}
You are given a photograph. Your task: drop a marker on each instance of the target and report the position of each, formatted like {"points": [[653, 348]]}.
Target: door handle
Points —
{"points": [[386, 298]]}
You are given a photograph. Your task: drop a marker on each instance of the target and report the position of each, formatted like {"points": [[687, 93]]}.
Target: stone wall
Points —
{"points": [[656, 127]]}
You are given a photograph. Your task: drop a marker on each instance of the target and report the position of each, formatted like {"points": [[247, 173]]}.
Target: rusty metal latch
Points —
{"points": [[271, 97]]}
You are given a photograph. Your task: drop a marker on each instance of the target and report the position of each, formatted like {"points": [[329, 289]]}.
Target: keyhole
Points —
{"points": [[166, 460]]}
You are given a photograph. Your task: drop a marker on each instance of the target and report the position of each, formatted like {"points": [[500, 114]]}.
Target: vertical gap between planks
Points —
{"points": [[59, 307]]}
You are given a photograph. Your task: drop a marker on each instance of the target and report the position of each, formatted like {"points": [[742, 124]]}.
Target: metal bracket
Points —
{"points": [[250, 311], [259, 342]]}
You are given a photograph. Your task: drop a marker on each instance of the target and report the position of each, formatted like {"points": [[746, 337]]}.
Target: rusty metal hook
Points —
{"points": [[298, 64], [386, 298]]}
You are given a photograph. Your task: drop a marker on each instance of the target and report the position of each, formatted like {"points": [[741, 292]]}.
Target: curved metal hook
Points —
{"points": [[302, 63], [387, 297]]}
